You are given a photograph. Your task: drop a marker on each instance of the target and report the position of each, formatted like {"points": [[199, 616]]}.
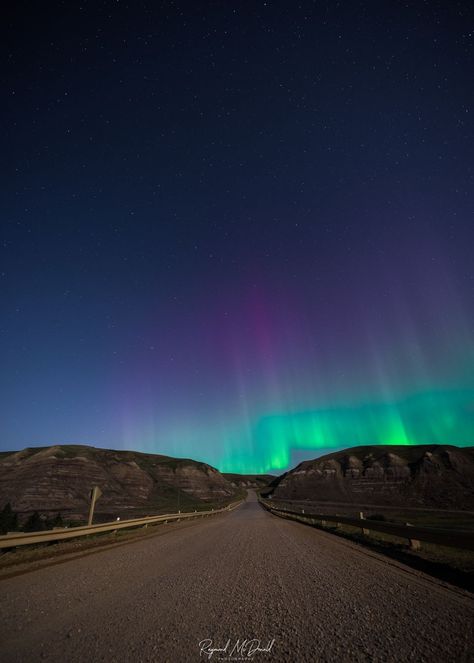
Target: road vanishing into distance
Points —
{"points": [[214, 583]]}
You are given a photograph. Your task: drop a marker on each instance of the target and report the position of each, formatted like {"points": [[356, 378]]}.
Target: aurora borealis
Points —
{"points": [[241, 233], [429, 418]]}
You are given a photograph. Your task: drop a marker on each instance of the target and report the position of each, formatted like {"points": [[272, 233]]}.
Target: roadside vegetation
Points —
{"points": [[35, 522]]}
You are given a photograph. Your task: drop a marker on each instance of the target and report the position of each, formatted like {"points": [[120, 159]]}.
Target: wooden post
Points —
{"points": [[365, 531], [94, 495], [414, 544]]}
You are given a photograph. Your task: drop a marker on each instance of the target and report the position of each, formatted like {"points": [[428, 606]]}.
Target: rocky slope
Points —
{"points": [[59, 479], [432, 476], [244, 481]]}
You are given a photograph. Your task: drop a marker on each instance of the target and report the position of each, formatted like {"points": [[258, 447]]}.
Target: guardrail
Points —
{"points": [[14, 539], [414, 534]]}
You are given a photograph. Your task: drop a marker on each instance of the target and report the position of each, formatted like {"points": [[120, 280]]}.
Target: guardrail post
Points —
{"points": [[115, 531], [414, 544], [365, 531]]}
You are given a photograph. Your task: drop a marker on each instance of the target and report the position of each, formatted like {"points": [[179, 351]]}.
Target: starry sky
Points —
{"points": [[240, 232]]}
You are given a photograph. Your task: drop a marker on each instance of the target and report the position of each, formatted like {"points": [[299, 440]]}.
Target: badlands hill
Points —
{"points": [[59, 479], [431, 476], [254, 481]]}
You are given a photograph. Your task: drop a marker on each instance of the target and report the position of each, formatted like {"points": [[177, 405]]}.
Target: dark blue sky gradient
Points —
{"points": [[217, 211]]}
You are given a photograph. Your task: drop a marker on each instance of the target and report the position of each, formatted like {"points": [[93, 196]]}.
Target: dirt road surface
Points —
{"points": [[236, 582]]}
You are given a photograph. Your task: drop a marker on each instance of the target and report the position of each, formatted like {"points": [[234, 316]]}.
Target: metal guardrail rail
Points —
{"points": [[415, 534], [14, 539]]}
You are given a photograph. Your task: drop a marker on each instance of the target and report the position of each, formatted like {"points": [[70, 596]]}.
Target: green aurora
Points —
{"points": [[429, 418]]}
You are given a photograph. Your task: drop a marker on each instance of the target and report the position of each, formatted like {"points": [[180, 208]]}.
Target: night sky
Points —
{"points": [[240, 232]]}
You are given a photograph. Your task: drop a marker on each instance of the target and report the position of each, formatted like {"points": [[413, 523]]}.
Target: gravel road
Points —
{"points": [[235, 577]]}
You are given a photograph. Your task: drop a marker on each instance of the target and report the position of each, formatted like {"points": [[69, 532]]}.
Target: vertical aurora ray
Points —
{"points": [[273, 377]]}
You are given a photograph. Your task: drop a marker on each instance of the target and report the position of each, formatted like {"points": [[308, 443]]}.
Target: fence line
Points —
{"points": [[414, 534]]}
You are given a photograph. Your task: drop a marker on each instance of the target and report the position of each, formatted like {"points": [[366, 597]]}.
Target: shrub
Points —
{"points": [[8, 519], [34, 523], [57, 521]]}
